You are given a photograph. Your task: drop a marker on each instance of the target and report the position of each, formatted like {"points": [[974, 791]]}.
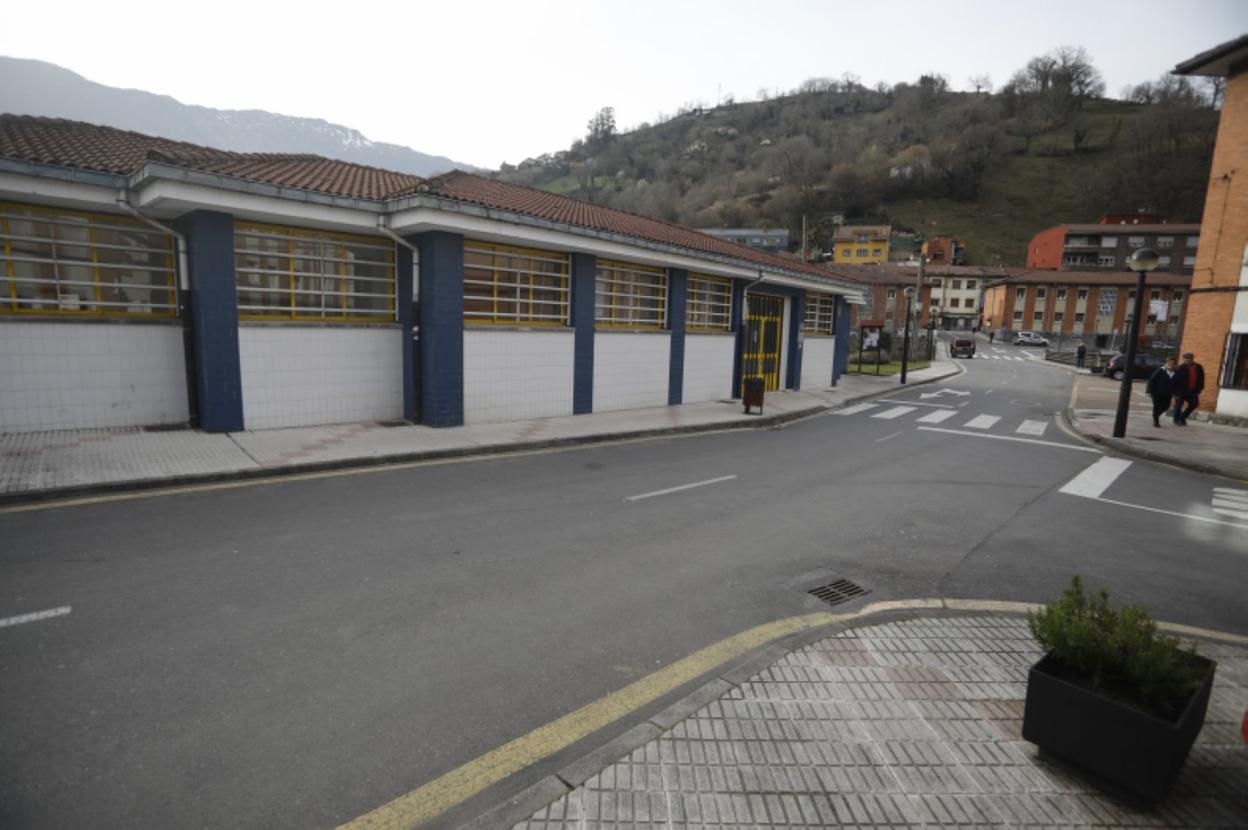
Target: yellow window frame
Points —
{"points": [[497, 252], [614, 267], [319, 236], [50, 215]]}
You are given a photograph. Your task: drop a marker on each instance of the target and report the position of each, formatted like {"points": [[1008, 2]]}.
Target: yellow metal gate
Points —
{"points": [[761, 358]]}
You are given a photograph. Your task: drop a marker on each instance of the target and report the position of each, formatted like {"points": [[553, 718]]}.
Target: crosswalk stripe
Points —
{"points": [[982, 421], [938, 416], [854, 410], [1035, 428], [895, 412]]}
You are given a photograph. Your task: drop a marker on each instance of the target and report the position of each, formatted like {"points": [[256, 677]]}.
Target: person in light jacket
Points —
{"points": [[1161, 389]]}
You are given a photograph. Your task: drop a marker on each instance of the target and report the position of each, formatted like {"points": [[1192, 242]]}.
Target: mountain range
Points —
{"points": [[33, 87]]}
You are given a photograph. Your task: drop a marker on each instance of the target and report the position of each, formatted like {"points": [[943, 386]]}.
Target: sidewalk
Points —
{"points": [[63, 463], [914, 722], [1201, 446]]}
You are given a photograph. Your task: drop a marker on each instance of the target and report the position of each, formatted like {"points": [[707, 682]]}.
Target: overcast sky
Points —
{"points": [[487, 82]]}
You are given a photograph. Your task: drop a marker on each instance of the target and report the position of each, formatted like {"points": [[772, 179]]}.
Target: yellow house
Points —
{"points": [[860, 244]]}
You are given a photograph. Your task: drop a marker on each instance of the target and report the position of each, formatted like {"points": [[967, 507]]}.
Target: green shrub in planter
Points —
{"points": [[1112, 696], [1117, 651]]}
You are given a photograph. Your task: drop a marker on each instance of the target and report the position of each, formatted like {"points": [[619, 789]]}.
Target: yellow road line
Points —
{"points": [[456, 786], [436, 797]]}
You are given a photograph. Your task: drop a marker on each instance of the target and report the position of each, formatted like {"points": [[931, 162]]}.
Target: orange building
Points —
{"points": [[1217, 331]]}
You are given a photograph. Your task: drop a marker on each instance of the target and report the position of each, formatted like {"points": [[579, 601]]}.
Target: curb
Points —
{"points": [[552, 787], [482, 451], [1146, 454]]}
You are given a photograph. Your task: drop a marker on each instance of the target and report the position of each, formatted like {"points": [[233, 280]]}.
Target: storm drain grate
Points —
{"points": [[834, 593]]}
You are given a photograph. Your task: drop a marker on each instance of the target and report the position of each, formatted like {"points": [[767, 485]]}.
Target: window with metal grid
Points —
{"points": [[504, 285], [820, 313], [294, 274], [68, 263], [708, 306], [630, 296]]}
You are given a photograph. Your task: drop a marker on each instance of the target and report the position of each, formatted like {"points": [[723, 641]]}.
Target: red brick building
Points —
{"points": [[1217, 330], [1102, 246]]}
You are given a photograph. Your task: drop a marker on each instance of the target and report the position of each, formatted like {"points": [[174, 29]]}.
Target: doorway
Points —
{"points": [[764, 326]]}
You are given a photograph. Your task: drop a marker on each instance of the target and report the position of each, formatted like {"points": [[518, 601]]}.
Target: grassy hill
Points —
{"points": [[990, 169]]}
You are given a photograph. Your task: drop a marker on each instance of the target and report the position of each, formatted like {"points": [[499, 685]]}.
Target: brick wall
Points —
{"points": [[1224, 231], [1045, 249]]}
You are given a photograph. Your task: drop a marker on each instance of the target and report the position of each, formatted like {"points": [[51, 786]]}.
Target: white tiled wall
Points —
{"points": [[631, 369], [307, 375], [79, 375], [510, 375], [708, 367], [817, 353]]}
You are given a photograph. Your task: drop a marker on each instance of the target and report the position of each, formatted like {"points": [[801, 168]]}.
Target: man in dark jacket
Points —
{"points": [[1189, 381], [1081, 355], [1161, 388]]}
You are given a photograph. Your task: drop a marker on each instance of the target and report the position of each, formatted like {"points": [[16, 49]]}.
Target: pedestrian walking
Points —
{"points": [[1081, 354], [992, 335], [1189, 382], [1161, 389]]}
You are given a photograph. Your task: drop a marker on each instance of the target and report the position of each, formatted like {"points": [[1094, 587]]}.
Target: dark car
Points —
{"points": [[962, 347], [1145, 365]]}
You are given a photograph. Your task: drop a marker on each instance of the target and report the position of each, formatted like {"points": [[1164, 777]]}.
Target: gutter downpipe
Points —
{"points": [[384, 227], [183, 298]]}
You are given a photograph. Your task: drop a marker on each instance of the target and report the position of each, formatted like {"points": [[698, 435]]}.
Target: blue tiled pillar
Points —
{"points": [[840, 361], [797, 311], [403, 274], [441, 328], [738, 330], [214, 319], [584, 278], [677, 296]]}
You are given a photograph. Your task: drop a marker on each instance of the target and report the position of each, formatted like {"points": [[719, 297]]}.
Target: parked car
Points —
{"points": [[1145, 365], [962, 347], [1029, 338]]}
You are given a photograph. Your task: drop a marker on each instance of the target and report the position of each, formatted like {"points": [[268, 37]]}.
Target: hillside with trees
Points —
{"points": [[990, 167]]}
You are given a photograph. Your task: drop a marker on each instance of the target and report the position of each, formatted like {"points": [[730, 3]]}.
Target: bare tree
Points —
{"points": [[601, 127], [980, 83]]}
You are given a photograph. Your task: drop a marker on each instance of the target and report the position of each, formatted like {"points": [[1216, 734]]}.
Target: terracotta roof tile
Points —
{"points": [[84, 146], [467, 187]]}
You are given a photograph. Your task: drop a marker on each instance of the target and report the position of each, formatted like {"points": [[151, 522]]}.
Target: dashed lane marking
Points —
{"points": [[665, 492], [36, 616]]}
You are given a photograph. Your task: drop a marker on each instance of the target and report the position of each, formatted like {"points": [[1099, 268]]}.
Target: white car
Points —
{"points": [[1029, 338]]}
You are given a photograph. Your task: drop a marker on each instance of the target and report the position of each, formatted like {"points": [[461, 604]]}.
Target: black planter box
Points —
{"points": [[1135, 752]]}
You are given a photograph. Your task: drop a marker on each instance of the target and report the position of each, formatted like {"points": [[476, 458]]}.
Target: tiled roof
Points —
{"points": [[466, 187], [1106, 230], [895, 273], [1024, 276], [84, 146], [849, 232]]}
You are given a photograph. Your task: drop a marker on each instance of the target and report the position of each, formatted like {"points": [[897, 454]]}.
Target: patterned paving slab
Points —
{"points": [[904, 724]]}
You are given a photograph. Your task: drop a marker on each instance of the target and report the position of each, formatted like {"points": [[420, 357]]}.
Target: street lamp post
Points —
{"points": [[1141, 261], [905, 339]]}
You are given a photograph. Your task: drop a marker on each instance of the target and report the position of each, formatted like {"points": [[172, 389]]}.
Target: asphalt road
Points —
{"points": [[295, 654]]}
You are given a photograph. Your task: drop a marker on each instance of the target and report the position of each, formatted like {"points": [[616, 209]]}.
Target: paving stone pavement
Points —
{"points": [[902, 724]]}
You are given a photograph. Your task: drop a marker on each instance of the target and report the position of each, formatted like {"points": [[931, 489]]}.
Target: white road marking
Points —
{"points": [[1074, 447], [982, 421], [1035, 428], [895, 412], [1229, 501], [887, 437], [854, 410], [1174, 513], [678, 489], [1095, 480], [36, 616], [937, 417], [916, 403]]}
